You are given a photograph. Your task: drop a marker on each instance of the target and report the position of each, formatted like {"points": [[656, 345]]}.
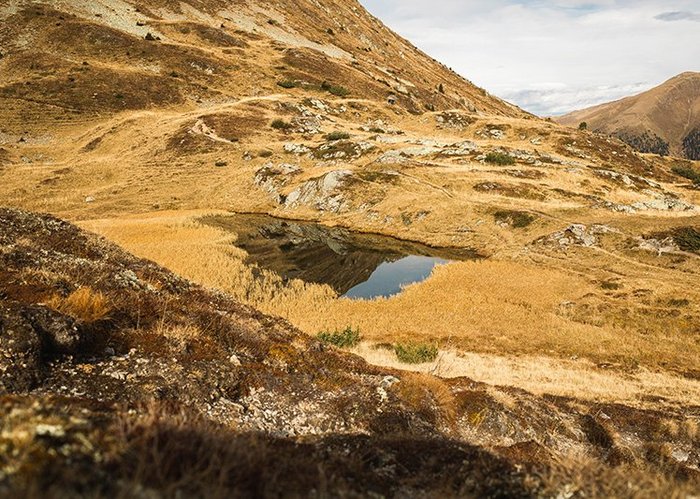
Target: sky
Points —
{"points": [[553, 56]]}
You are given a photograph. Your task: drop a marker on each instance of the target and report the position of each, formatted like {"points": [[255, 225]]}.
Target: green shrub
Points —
{"points": [[335, 89], [688, 172], [499, 158], [287, 84], [583, 126], [415, 353], [347, 338], [281, 125], [338, 136]]}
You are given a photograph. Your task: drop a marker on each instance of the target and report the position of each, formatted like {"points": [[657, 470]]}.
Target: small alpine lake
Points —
{"points": [[356, 265]]}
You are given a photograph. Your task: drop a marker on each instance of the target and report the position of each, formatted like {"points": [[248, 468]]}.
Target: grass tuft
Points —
{"points": [[516, 219], [287, 84], [84, 304], [336, 90]]}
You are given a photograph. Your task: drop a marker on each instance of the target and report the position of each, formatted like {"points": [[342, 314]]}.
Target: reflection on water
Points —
{"points": [[390, 277], [355, 265]]}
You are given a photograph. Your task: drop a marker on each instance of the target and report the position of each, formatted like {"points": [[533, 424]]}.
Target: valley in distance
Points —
{"points": [[272, 249]]}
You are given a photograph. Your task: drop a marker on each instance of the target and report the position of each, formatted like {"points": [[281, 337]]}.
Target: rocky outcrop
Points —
{"points": [[324, 193]]}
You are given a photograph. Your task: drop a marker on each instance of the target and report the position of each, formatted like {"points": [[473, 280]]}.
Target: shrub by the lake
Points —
{"points": [[346, 338]]}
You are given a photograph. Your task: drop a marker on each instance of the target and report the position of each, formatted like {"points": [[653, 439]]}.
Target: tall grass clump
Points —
{"points": [[281, 125], [84, 304], [337, 136]]}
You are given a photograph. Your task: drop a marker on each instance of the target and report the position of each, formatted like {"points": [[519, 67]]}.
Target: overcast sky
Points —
{"points": [[553, 56]]}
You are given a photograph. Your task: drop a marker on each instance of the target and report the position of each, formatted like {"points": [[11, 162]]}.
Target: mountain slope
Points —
{"points": [[87, 58], [663, 120]]}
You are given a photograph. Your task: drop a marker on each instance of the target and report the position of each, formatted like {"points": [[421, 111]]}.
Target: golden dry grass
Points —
{"points": [[84, 304]]}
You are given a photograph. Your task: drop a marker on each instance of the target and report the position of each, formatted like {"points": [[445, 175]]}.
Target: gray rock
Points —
{"points": [[322, 193]]}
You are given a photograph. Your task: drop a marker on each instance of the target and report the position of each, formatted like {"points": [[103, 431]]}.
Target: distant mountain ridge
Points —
{"points": [[664, 120]]}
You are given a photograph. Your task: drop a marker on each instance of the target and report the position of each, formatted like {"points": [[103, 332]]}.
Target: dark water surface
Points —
{"points": [[356, 265]]}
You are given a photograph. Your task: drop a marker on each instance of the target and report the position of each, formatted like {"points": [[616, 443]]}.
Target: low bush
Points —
{"points": [[287, 84], [337, 136], [336, 90], [415, 353], [347, 338], [499, 158], [281, 125]]}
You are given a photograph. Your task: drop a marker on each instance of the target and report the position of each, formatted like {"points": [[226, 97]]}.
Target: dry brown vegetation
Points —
{"points": [[84, 304]]}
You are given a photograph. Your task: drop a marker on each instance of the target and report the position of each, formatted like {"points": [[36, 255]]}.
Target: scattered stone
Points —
{"points": [[296, 149], [577, 235]]}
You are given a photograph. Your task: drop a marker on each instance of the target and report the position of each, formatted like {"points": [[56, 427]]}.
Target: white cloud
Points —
{"points": [[553, 56]]}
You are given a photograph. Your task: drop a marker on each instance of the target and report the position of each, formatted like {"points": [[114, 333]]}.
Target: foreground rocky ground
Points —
{"points": [[118, 377]]}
